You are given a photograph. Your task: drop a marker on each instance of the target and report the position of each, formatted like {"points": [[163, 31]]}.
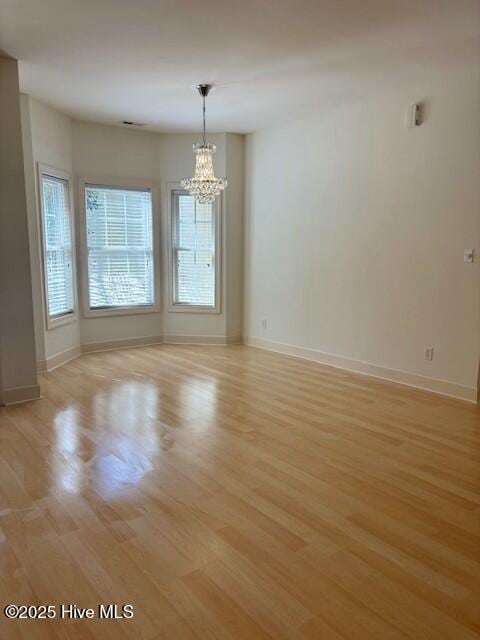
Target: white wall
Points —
{"points": [[33, 232], [103, 151], [233, 216], [355, 232], [18, 375], [47, 139]]}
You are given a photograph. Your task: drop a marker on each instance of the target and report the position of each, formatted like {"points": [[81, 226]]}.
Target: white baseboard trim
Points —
{"points": [[43, 366], [58, 359], [202, 340], [124, 343], [16, 395], [434, 385]]}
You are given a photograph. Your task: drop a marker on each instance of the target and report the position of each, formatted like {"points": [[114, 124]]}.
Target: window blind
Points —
{"points": [[57, 237], [119, 247], [193, 251]]}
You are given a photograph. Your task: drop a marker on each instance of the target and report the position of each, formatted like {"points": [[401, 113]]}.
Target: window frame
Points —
{"points": [[52, 322], [119, 183], [172, 306]]}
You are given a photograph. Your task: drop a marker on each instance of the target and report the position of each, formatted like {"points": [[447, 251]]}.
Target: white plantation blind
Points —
{"points": [[193, 251], [119, 247], [57, 239]]}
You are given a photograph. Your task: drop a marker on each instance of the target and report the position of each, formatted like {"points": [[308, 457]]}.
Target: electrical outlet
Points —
{"points": [[264, 324], [428, 353], [468, 255]]}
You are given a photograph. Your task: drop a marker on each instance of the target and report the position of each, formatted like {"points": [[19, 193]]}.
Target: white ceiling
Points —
{"points": [[271, 60]]}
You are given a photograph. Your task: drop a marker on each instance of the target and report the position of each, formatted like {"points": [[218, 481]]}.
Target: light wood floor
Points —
{"points": [[230, 493]]}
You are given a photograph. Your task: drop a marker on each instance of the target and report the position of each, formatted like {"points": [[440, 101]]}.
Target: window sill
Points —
{"points": [[60, 321], [120, 311], [185, 308]]}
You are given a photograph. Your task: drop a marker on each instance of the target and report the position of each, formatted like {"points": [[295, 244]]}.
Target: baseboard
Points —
{"points": [[58, 359], [43, 366], [434, 385], [126, 343], [202, 340], [16, 395]]}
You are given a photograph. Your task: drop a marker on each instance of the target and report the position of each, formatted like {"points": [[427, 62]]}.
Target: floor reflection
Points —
{"points": [[201, 395], [119, 438], [68, 465], [127, 440]]}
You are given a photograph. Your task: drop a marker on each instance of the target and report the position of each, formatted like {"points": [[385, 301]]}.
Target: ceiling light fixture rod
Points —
{"points": [[204, 137], [204, 90]]}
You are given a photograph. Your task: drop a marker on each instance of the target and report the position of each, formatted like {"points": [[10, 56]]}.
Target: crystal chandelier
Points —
{"points": [[204, 186]]}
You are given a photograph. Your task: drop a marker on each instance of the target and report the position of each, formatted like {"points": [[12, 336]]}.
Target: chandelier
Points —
{"points": [[204, 186]]}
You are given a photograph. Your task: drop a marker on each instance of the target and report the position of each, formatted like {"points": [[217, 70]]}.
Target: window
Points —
{"points": [[58, 253], [120, 247], [194, 236]]}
